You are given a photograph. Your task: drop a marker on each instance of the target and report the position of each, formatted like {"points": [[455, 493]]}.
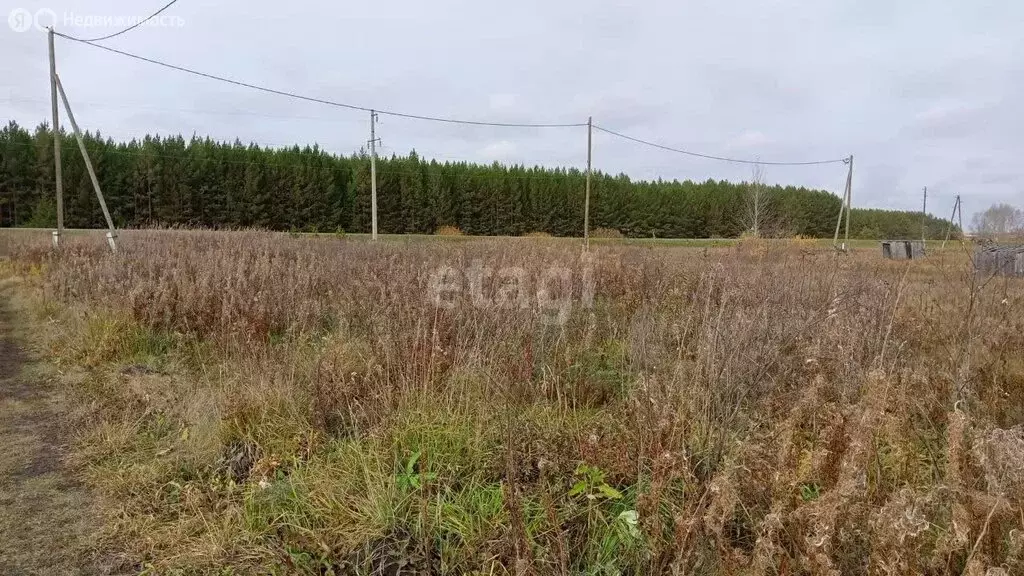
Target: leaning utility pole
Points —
{"points": [[58, 177], [586, 201], [111, 231], [847, 206], [373, 172], [949, 229], [960, 215]]}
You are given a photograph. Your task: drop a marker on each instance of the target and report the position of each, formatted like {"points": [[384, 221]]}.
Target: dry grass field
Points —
{"points": [[252, 403]]}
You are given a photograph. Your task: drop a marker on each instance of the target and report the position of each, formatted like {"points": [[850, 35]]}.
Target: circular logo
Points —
{"points": [[20, 20], [45, 19]]}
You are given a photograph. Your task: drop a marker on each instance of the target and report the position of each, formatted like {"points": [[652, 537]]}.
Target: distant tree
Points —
{"points": [[173, 180], [760, 215], [1000, 220]]}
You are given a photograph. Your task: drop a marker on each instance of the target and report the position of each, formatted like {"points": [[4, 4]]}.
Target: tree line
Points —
{"points": [[174, 181]]}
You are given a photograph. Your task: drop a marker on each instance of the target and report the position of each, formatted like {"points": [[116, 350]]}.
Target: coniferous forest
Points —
{"points": [[173, 181]]}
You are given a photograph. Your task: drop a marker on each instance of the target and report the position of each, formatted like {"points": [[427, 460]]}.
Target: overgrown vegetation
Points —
{"points": [[172, 181], [256, 403]]}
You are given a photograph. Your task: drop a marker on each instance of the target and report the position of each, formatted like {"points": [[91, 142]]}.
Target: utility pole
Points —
{"points": [[373, 172], [58, 177], [960, 215], [111, 231], [924, 216], [845, 206], [849, 203], [586, 201], [949, 229]]}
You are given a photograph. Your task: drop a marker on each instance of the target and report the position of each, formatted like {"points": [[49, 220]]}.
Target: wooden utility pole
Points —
{"points": [[849, 203], [373, 172], [845, 206], [924, 216], [960, 214], [112, 232], [58, 176], [586, 201], [949, 229]]}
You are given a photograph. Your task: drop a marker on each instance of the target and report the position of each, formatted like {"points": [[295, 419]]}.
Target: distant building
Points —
{"points": [[903, 249]]}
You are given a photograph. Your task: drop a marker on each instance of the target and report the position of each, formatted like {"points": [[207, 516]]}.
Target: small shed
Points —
{"points": [[1000, 260], [903, 249]]}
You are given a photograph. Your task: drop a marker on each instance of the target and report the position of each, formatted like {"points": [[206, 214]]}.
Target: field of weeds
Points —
{"points": [[254, 403]]}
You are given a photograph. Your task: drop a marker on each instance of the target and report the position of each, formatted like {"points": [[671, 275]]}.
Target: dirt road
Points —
{"points": [[43, 512]]}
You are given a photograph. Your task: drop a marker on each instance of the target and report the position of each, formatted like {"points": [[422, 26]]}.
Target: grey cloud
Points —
{"points": [[922, 93], [953, 120]]}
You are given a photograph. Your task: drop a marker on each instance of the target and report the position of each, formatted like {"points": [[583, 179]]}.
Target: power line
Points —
{"points": [[128, 29], [314, 99], [116, 106], [710, 157], [264, 143]]}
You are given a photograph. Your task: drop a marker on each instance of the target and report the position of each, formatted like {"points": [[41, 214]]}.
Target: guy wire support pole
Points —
{"points": [[949, 229], [839, 221], [960, 216], [112, 232], [58, 176], [586, 201], [845, 205]]}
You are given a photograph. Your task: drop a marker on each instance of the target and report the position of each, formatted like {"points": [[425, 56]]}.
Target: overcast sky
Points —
{"points": [[923, 93]]}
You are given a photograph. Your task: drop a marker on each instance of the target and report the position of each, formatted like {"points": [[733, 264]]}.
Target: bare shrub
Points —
{"points": [[448, 231], [606, 233]]}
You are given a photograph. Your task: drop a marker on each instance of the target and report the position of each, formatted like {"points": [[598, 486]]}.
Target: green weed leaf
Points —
{"points": [[578, 488]]}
